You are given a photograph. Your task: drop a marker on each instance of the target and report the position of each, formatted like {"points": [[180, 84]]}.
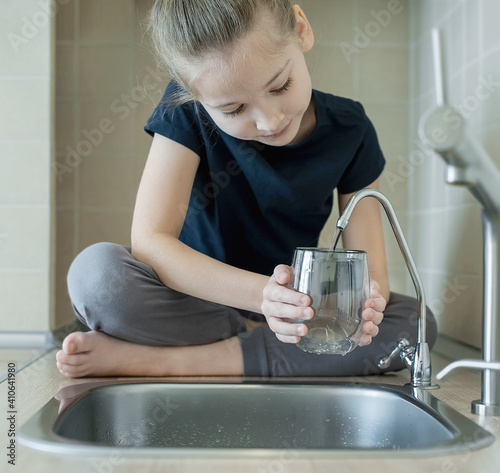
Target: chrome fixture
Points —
{"points": [[416, 358], [242, 418], [468, 164]]}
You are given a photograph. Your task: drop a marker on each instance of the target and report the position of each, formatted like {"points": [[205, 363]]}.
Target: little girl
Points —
{"points": [[242, 168]]}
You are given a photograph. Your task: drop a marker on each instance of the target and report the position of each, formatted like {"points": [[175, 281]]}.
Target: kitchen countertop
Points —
{"points": [[37, 383]]}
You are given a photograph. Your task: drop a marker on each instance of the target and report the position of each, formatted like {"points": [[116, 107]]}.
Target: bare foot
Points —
{"points": [[97, 354]]}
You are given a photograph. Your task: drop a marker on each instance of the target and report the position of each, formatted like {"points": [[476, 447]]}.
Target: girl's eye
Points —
{"points": [[233, 113], [283, 88]]}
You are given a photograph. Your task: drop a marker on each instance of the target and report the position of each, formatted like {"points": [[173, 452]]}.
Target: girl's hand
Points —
{"points": [[282, 306], [372, 315]]}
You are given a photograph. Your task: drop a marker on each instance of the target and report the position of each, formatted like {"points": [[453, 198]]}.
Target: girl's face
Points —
{"points": [[259, 94]]}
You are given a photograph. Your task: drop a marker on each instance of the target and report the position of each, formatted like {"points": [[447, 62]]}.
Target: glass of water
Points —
{"points": [[338, 284]]}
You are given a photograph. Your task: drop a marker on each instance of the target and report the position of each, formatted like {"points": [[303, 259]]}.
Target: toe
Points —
{"points": [[76, 342], [77, 359], [71, 371]]}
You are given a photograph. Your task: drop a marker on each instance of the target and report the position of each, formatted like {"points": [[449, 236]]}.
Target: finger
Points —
{"points": [[365, 340], [377, 304], [374, 285], [282, 273], [281, 327], [287, 339], [286, 311], [276, 293], [369, 328], [372, 316]]}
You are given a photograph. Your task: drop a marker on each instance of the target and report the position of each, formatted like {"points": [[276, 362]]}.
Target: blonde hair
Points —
{"points": [[186, 31]]}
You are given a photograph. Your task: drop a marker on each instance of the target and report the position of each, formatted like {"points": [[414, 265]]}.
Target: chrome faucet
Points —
{"points": [[416, 358], [468, 164]]}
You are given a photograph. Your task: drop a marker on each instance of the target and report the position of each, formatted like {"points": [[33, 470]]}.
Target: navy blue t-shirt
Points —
{"points": [[253, 204]]}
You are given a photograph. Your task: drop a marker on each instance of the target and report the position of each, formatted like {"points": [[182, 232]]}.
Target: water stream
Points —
{"points": [[335, 239]]}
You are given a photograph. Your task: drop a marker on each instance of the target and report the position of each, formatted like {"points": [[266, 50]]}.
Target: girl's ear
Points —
{"points": [[304, 30]]}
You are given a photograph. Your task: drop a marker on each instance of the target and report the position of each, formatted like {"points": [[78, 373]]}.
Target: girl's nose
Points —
{"points": [[269, 120]]}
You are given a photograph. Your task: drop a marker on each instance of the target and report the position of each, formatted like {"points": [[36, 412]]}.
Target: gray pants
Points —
{"points": [[113, 292]]}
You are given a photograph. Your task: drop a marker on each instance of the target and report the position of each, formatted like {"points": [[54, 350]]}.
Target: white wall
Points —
{"points": [[445, 221], [26, 49]]}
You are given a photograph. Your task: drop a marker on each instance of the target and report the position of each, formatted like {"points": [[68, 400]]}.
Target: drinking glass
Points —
{"points": [[338, 284]]}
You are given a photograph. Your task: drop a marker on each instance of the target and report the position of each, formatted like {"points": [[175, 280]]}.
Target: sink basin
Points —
{"points": [[248, 418]]}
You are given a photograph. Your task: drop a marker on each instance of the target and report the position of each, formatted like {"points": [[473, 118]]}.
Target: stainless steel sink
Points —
{"points": [[248, 418]]}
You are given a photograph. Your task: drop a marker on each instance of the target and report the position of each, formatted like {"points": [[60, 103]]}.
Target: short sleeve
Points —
{"points": [[367, 163], [180, 123]]}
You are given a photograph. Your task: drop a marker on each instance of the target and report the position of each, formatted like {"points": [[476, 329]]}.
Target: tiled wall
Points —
{"points": [[25, 158], [107, 86], [362, 52], [445, 221], [102, 56]]}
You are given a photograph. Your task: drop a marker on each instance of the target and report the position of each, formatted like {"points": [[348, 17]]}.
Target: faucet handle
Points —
{"points": [[386, 361]]}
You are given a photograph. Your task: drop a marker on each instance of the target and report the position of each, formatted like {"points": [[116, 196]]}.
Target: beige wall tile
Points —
{"points": [[459, 302], [65, 80], [65, 256], [25, 176], [64, 177], [25, 301], [427, 230], [65, 28], [398, 276], [394, 185], [330, 72], [65, 126], [394, 257], [106, 225], [464, 243], [104, 71], [141, 11], [330, 21], [105, 20], [391, 123], [146, 67], [106, 128], [108, 181], [384, 20], [383, 73]]}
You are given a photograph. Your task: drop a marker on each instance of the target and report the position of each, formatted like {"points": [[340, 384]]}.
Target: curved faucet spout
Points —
{"points": [[419, 362]]}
